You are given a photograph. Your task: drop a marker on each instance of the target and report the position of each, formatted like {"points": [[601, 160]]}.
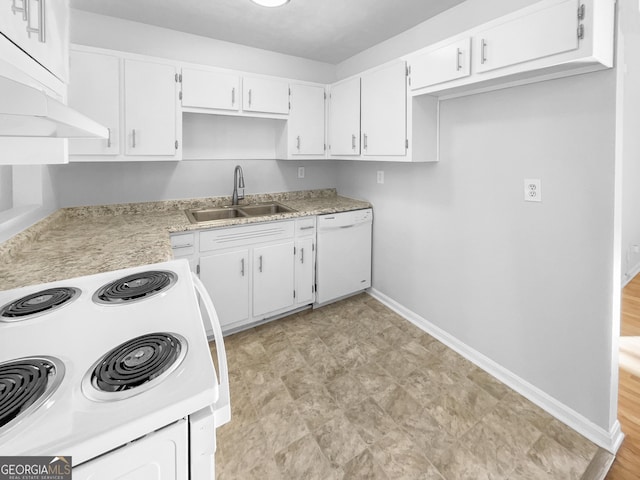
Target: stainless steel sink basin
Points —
{"points": [[236, 211], [270, 208], [211, 214]]}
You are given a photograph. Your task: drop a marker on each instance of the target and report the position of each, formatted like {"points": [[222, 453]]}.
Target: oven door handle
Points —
{"points": [[222, 405]]}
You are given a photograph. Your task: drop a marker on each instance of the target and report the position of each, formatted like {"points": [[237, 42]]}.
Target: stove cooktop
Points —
{"points": [[151, 357]]}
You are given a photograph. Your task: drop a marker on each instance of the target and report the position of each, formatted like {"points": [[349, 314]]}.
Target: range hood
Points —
{"points": [[28, 112]]}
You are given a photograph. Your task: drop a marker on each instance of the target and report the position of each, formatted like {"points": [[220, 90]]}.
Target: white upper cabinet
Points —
{"points": [[41, 30], [94, 90], [442, 64], [210, 89], [265, 95], [306, 120], [384, 114], [344, 118], [549, 31], [150, 108], [548, 39]]}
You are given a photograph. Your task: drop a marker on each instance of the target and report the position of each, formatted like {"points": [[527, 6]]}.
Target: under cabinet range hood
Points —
{"points": [[28, 112]]}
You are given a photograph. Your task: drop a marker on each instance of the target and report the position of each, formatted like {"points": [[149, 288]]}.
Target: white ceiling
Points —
{"points": [[324, 30]]}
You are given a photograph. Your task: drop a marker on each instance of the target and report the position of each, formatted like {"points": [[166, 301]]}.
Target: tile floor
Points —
{"points": [[354, 391]]}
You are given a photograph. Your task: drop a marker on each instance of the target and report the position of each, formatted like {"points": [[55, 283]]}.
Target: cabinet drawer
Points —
{"points": [[305, 226], [245, 235], [183, 244]]}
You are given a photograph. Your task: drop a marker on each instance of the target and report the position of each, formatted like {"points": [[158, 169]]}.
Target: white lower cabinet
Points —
{"points": [[305, 261], [273, 278], [226, 277], [258, 271]]}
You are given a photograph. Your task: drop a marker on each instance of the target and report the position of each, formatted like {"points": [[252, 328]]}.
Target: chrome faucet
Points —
{"points": [[237, 183]]}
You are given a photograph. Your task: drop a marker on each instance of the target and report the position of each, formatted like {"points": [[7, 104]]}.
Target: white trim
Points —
{"points": [[610, 441], [630, 275]]}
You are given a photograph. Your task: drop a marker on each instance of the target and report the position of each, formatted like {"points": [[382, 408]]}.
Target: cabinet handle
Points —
{"points": [[260, 263], [40, 30], [298, 142], [184, 245], [249, 97], [15, 9], [353, 142], [483, 52], [365, 141], [308, 227], [458, 62], [233, 96], [133, 136], [242, 267], [109, 138], [302, 255]]}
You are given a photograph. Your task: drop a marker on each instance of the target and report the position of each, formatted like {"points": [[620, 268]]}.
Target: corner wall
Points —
{"points": [[629, 61], [528, 285]]}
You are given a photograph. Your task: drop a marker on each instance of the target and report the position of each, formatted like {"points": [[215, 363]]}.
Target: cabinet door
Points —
{"points": [[442, 65], [384, 97], [150, 108], [265, 95], [205, 89], [41, 29], [94, 89], [304, 270], [272, 278], [226, 277], [344, 118], [546, 32], [306, 120]]}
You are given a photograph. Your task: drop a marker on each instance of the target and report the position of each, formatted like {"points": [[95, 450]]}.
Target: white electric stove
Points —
{"points": [[114, 370]]}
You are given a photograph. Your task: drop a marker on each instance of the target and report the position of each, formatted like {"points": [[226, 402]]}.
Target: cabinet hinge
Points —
{"points": [[289, 106], [294, 250], [407, 70], [406, 143], [294, 294], [581, 9], [325, 95], [198, 269], [177, 144], [580, 32], [313, 247], [289, 91], [325, 147], [180, 95]]}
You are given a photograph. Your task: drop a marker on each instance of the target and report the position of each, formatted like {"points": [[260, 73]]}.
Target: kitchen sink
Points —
{"points": [[265, 209], [241, 211], [211, 214]]}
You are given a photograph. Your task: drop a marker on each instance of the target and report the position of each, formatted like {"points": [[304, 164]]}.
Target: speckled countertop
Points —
{"points": [[85, 240]]}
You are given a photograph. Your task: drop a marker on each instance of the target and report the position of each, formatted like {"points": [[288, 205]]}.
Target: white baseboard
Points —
{"points": [[631, 274], [609, 440]]}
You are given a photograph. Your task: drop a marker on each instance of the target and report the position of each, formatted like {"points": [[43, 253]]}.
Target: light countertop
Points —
{"points": [[85, 240]]}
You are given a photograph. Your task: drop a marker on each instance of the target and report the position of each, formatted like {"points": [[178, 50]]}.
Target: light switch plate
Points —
{"points": [[380, 176], [300, 172]]}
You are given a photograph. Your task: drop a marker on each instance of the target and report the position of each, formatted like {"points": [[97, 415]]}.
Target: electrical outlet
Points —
{"points": [[380, 177], [300, 172], [532, 190]]}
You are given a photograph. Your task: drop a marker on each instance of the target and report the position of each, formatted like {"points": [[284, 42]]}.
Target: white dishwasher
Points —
{"points": [[343, 261]]}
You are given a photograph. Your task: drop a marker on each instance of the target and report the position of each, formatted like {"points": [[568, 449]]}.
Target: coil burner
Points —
{"points": [[37, 303], [135, 287], [134, 366], [25, 384]]}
